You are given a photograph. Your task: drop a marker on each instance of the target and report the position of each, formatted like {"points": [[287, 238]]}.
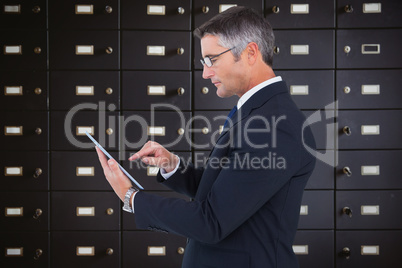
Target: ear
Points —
{"points": [[252, 52]]}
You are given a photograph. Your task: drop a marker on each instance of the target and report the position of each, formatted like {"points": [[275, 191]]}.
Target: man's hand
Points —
{"points": [[154, 154], [119, 182]]}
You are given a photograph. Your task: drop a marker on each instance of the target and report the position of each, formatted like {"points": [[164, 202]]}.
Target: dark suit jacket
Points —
{"points": [[246, 208]]}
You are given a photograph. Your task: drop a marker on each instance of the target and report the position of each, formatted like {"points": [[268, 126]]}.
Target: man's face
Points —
{"points": [[229, 76]]}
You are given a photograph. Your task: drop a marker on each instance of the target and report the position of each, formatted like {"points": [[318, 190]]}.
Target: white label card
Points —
{"points": [[299, 49], [156, 131], [152, 171], [224, 7], [156, 50], [84, 9], [13, 171], [304, 210], [370, 170], [156, 251], [156, 10], [85, 251], [370, 210], [12, 50], [16, 9], [299, 90], [372, 8], [80, 130], [14, 252], [299, 8], [370, 89], [85, 171], [156, 90], [84, 90], [84, 50], [371, 49], [85, 211], [370, 250], [13, 90], [14, 212], [300, 249], [13, 130], [370, 130]]}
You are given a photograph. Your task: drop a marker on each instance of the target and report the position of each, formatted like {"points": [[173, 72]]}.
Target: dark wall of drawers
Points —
{"points": [[67, 67]]}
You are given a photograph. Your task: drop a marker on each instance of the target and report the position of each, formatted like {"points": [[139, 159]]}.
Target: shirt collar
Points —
{"points": [[255, 89]]}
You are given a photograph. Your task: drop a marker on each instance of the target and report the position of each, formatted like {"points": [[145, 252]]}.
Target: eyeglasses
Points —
{"points": [[208, 60]]}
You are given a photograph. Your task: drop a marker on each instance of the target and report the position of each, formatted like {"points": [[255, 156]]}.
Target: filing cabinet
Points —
{"points": [[205, 97], [169, 128], [368, 209], [205, 9], [310, 89], [380, 129], [85, 249], [85, 211], [156, 15], [71, 89], [24, 249], [375, 89], [146, 50], [68, 128], [317, 215], [368, 48], [306, 49], [129, 218], [207, 126], [22, 131], [25, 171], [78, 14], [368, 248], [141, 89], [323, 126], [314, 248], [23, 50], [369, 14], [23, 90], [300, 14], [146, 175], [77, 171], [15, 14], [24, 211], [153, 249], [369, 170], [84, 50]]}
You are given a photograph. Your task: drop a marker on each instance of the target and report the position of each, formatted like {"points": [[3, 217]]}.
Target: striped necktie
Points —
{"points": [[232, 112]]}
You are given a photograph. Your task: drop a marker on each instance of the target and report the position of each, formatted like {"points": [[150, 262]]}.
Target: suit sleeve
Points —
{"points": [[242, 187]]}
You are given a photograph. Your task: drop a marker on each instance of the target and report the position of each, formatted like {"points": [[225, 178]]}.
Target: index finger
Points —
{"points": [[145, 151]]}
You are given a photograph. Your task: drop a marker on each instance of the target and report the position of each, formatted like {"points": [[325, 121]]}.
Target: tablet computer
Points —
{"points": [[110, 157]]}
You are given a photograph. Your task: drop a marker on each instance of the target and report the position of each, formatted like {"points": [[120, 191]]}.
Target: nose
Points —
{"points": [[207, 73]]}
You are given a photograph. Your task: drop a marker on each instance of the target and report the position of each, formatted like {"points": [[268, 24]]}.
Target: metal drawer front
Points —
{"points": [[85, 211], [300, 14], [368, 14], [314, 248], [68, 129], [369, 170], [156, 50], [370, 129], [306, 49], [24, 211], [70, 89], [317, 215], [84, 14], [310, 89], [156, 15], [208, 126], [22, 130], [23, 14], [143, 89], [323, 129], [368, 209], [84, 49], [85, 249], [152, 249], [205, 97], [23, 50], [369, 48], [369, 249], [370, 89], [23, 90], [167, 128], [78, 171], [24, 249], [25, 171]]}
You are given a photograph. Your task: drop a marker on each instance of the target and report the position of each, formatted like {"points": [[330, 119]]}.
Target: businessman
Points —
{"points": [[246, 200]]}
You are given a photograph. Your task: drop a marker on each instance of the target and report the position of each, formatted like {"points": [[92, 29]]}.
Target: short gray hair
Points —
{"points": [[238, 26]]}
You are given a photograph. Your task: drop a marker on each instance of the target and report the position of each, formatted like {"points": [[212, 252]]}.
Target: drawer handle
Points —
{"points": [[38, 253], [345, 253], [109, 91], [37, 214], [276, 50], [109, 251], [38, 131], [204, 90], [205, 9], [180, 131], [205, 130], [180, 250], [347, 171], [180, 51], [180, 91], [38, 91], [180, 10], [37, 173], [108, 9], [347, 130], [109, 50], [109, 211], [109, 131], [348, 9], [37, 50], [347, 49], [36, 9], [347, 211], [275, 9]]}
